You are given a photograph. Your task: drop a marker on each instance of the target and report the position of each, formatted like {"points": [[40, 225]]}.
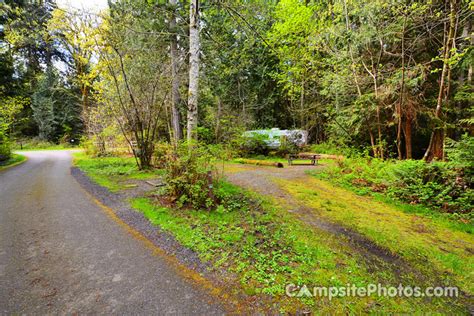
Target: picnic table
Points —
{"points": [[304, 156]]}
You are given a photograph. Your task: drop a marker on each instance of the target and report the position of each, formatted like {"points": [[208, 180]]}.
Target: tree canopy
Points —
{"points": [[388, 76]]}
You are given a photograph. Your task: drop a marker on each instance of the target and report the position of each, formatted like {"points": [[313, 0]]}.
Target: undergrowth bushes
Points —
{"points": [[4, 147], [190, 175], [39, 144], [193, 178], [447, 185], [443, 185], [256, 144]]}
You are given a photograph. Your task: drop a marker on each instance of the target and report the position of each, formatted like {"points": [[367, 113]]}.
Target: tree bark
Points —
{"points": [[408, 137], [373, 73], [218, 120], [302, 116], [353, 64], [402, 98], [436, 145], [193, 70], [175, 99]]}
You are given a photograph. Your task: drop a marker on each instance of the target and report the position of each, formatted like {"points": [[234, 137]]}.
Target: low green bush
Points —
{"points": [[253, 145], [5, 152], [286, 147], [334, 148], [39, 144], [446, 186], [190, 175]]}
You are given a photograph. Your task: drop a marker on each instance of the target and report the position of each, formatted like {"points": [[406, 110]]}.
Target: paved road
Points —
{"points": [[61, 254]]}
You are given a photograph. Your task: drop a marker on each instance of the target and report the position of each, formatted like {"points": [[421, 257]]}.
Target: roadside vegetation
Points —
{"points": [[14, 159], [444, 187], [38, 144], [112, 172], [419, 237]]}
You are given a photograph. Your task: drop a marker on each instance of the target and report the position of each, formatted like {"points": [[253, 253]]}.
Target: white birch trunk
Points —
{"points": [[193, 70]]}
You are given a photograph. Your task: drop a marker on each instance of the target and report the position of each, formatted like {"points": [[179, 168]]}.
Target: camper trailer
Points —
{"points": [[274, 136]]}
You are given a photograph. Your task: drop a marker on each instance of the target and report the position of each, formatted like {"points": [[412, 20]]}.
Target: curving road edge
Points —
{"points": [[61, 253]]}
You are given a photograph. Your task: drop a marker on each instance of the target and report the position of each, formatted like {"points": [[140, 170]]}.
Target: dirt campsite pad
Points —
{"points": [[386, 238]]}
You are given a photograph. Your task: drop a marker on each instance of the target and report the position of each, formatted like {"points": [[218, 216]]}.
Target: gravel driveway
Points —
{"points": [[61, 254]]}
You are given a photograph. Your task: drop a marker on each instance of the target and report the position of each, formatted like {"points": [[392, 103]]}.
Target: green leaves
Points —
{"points": [[10, 107]]}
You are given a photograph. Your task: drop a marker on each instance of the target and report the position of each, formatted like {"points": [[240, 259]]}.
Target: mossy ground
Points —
{"points": [[430, 243], [263, 247]]}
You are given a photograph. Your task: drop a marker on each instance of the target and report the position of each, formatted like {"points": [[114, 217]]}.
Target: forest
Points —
{"points": [[394, 78], [383, 90]]}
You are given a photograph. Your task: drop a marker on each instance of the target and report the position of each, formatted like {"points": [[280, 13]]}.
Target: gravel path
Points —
{"points": [[372, 256], [260, 179], [60, 253]]}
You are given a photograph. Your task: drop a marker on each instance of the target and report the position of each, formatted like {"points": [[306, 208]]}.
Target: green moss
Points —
{"points": [[419, 239], [266, 248]]}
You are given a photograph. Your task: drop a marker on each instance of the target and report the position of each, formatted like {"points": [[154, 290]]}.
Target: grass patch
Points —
{"points": [[14, 160], [434, 244], [35, 144], [265, 248], [113, 172]]}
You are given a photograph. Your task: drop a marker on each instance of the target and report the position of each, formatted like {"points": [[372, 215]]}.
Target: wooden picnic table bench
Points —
{"points": [[304, 156]]}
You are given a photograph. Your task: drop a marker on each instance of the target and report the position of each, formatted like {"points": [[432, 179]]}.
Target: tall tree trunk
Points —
{"points": [[193, 70], [218, 120], [408, 137], [302, 116], [85, 105], [436, 145], [353, 64], [373, 73], [402, 97], [466, 33], [175, 99], [372, 143]]}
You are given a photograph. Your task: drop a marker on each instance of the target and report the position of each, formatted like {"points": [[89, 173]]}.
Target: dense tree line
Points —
{"points": [[35, 76], [391, 76]]}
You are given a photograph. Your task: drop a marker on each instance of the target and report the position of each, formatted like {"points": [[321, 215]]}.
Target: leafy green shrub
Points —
{"points": [[89, 147], [37, 143], [333, 148], [254, 145], [205, 135], [461, 155], [4, 147], [161, 153], [189, 176], [9, 108], [443, 185]]}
